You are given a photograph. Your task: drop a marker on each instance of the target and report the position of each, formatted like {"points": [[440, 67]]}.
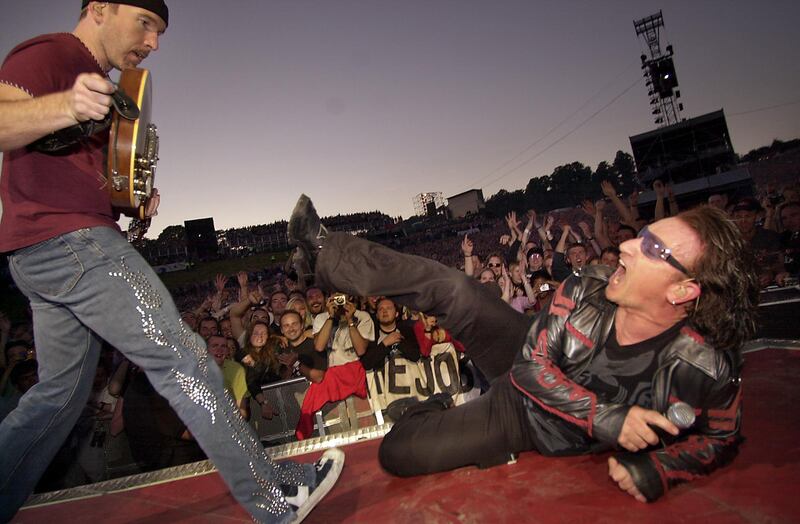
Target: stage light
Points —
{"points": [[665, 80]]}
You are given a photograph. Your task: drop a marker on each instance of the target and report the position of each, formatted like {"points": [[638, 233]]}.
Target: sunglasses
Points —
{"points": [[493, 264], [653, 248]]}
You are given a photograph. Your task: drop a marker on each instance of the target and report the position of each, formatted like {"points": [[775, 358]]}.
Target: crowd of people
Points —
{"points": [[266, 327]]}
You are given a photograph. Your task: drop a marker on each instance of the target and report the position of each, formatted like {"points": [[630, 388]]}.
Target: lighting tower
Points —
{"points": [[659, 72], [426, 204]]}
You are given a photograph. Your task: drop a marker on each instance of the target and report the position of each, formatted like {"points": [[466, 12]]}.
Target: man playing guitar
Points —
{"points": [[87, 284]]}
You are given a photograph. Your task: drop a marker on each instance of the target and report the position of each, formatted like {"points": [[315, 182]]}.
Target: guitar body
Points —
{"points": [[133, 148]]}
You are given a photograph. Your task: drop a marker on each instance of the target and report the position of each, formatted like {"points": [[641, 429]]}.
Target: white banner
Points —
{"points": [[402, 378]]}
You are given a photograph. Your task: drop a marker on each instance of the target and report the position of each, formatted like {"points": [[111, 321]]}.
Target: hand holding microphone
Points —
{"points": [[642, 427], [681, 414]]}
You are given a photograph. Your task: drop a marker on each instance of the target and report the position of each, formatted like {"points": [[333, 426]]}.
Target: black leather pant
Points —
{"points": [[430, 438]]}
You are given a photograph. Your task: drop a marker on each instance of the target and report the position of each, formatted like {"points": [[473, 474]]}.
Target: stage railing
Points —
{"points": [[286, 397]]}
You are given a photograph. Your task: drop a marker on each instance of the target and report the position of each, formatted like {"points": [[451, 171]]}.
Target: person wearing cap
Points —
{"points": [[764, 243], [535, 257], [87, 284], [568, 258]]}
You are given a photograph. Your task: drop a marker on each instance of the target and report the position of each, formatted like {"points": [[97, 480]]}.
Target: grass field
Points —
{"points": [[206, 271]]}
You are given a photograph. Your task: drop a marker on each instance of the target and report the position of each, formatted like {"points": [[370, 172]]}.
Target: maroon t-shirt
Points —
{"points": [[45, 195]]}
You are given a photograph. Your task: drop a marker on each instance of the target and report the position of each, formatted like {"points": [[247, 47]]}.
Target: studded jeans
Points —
{"points": [[90, 285]]}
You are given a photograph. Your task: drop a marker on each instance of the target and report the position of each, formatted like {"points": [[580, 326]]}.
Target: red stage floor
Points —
{"points": [[760, 486]]}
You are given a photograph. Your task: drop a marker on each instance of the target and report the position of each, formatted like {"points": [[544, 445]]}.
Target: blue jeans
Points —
{"points": [[91, 285]]}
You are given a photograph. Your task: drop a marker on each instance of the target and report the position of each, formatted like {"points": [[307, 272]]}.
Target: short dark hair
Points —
{"points": [[278, 292], [574, 245], [291, 312], [540, 274], [217, 335], [317, 288], [382, 299], [209, 319], [629, 228]]}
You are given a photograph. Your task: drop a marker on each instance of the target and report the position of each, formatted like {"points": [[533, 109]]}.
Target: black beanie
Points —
{"points": [[154, 6]]}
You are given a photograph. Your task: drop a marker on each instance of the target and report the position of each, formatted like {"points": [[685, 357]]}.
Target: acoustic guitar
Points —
{"points": [[132, 145]]}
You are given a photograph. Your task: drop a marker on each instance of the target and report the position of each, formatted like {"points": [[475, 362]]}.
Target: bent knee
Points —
{"points": [[394, 456]]}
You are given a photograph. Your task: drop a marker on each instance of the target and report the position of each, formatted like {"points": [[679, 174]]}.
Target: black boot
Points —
{"points": [[395, 410], [307, 233]]}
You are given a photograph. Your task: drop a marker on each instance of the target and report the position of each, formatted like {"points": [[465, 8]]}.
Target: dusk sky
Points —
{"points": [[364, 104]]}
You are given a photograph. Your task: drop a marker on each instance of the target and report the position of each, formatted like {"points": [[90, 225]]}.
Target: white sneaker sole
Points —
{"points": [[336, 456]]}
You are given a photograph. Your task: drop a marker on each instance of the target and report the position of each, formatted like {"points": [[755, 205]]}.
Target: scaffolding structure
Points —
{"points": [[659, 72]]}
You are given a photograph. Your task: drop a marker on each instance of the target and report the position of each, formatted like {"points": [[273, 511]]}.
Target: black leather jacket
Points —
{"points": [[567, 418]]}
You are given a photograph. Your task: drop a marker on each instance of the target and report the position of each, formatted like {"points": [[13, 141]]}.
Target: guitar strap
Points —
{"points": [[62, 139]]}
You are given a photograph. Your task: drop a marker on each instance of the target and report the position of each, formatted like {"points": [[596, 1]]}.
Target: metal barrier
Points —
{"points": [[286, 397]]}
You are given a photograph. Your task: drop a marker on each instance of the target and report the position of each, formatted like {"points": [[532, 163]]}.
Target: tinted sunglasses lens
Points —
{"points": [[650, 246]]}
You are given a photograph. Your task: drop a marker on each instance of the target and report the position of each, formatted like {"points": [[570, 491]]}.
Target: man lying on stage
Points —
{"points": [[597, 370]]}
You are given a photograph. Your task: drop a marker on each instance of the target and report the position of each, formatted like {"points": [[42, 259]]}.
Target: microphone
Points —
{"points": [[681, 414]]}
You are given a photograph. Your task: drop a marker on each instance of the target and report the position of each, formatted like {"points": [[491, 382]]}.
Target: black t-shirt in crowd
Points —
{"points": [[624, 374], [308, 356]]}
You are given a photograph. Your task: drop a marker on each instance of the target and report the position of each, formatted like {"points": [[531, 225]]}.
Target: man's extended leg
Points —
{"points": [[490, 329], [483, 432], [118, 296]]}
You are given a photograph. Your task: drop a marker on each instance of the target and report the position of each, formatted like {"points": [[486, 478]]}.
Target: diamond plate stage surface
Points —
{"points": [[761, 484]]}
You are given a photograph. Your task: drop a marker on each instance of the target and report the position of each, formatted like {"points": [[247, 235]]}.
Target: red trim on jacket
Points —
{"points": [[580, 336], [561, 305], [725, 419], [661, 473], [697, 337], [551, 376]]}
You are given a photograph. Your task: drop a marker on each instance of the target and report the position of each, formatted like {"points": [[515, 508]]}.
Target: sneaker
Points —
{"points": [[301, 498], [305, 230]]}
